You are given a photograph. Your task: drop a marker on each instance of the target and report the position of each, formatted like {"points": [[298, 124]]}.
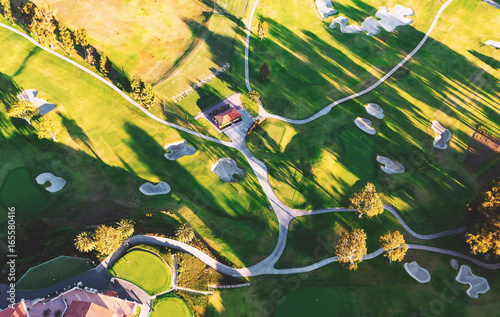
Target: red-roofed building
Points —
{"points": [[111, 293], [19, 310], [226, 118], [87, 309]]}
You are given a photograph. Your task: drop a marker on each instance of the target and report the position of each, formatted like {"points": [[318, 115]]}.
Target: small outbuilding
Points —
{"points": [[227, 116]]}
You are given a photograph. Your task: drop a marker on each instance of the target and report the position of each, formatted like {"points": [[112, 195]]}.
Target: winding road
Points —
{"points": [[283, 213]]}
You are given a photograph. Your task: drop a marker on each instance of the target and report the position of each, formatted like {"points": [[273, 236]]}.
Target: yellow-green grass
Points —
{"points": [[104, 128], [377, 288], [170, 306], [20, 191], [144, 269], [52, 272], [145, 37]]}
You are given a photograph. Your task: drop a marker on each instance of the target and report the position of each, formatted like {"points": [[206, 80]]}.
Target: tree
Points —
{"points": [[84, 242], [185, 233], [483, 219], [81, 37], [262, 29], [104, 65], [27, 11], [42, 26], [367, 201], [254, 95], [24, 110], [48, 129], [107, 239], [147, 95], [351, 248], [136, 87], [265, 72], [7, 10], [126, 227], [90, 55], [67, 41], [394, 245]]}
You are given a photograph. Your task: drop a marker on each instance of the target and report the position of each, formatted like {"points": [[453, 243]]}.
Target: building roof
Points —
{"points": [[87, 309], [111, 293], [18, 310], [227, 116]]}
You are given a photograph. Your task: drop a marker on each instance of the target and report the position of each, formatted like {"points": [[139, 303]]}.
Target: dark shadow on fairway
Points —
{"points": [[77, 133], [494, 63]]}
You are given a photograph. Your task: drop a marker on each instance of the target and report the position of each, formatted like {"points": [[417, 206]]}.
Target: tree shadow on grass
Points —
{"points": [[77, 134]]}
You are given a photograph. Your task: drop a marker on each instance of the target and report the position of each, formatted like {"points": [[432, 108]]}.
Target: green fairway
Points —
{"points": [[170, 306], [144, 269], [102, 131], [53, 272], [20, 190]]}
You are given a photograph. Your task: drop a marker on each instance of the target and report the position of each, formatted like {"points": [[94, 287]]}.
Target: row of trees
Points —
{"points": [[142, 92], [45, 128], [351, 247], [105, 239]]}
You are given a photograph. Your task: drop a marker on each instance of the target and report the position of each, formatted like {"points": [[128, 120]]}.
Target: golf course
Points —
{"points": [[330, 104]]}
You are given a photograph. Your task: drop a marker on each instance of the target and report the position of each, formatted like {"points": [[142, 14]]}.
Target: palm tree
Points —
{"points": [[126, 227], [185, 233], [84, 242]]}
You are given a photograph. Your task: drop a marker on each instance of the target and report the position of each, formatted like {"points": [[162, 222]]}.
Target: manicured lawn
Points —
{"points": [[144, 269], [21, 191], [53, 272], [170, 306], [107, 149]]}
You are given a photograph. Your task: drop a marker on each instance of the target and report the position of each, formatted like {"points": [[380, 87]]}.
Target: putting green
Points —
{"points": [[20, 190], [144, 269], [52, 272], [170, 306]]}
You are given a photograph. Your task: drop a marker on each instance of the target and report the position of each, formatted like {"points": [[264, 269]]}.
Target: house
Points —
{"points": [[87, 309], [18, 310], [227, 117]]}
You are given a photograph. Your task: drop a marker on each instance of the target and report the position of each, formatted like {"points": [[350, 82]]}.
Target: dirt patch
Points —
{"points": [[483, 147]]}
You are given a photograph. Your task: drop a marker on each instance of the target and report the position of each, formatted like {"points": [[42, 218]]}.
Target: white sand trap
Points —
{"points": [[388, 20], [443, 136], [42, 105], [478, 285], [56, 183], [225, 168], [454, 264], [390, 166], [493, 43], [178, 150], [365, 125], [375, 110], [391, 20], [325, 8], [417, 272], [158, 189]]}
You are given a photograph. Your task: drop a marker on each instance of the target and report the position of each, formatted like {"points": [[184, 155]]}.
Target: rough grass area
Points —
{"points": [[20, 190], [52, 272], [170, 306], [144, 269], [145, 37]]}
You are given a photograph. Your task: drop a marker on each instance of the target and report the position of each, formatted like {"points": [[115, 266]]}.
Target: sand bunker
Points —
{"points": [[417, 272], [390, 166], [158, 189], [493, 43], [226, 168], [365, 125], [454, 264], [388, 20], [443, 136], [478, 285], [178, 150], [56, 183], [325, 8], [375, 110], [42, 105]]}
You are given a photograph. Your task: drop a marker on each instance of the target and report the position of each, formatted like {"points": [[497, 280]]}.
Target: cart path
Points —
{"points": [[116, 89], [264, 114]]}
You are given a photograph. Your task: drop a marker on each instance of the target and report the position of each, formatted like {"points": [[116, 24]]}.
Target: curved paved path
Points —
{"points": [[116, 89], [264, 114]]}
